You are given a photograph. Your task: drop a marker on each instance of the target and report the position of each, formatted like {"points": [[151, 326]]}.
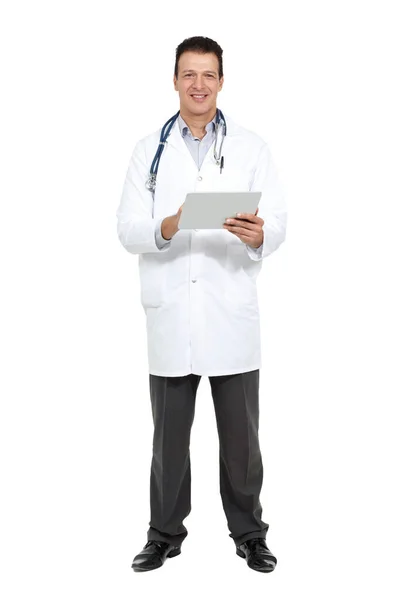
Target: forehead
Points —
{"points": [[198, 62]]}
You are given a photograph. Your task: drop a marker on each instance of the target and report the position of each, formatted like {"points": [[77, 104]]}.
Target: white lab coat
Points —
{"points": [[199, 292]]}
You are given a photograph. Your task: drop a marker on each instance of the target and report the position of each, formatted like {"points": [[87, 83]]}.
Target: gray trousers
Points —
{"points": [[241, 471]]}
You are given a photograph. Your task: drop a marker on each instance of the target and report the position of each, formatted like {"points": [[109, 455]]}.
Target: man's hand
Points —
{"points": [[169, 226], [248, 228]]}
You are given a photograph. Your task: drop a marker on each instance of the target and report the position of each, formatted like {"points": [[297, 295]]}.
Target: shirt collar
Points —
{"points": [[185, 129]]}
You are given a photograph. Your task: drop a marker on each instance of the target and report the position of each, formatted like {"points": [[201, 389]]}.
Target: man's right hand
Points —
{"points": [[169, 226]]}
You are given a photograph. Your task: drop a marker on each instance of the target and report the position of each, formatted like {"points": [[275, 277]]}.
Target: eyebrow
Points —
{"points": [[193, 71]]}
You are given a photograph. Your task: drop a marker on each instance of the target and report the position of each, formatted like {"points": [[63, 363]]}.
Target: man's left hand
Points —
{"points": [[248, 228]]}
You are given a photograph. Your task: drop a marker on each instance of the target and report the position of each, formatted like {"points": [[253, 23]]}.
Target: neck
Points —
{"points": [[197, 123]]}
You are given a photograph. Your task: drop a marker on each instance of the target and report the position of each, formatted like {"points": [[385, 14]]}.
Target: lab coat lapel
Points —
{"points": [[176, 141]]}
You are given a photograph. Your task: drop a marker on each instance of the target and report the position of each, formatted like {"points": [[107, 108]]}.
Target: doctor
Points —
{"points": [[199, 295]]}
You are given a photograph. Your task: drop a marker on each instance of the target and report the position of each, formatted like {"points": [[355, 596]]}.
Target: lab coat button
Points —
{"points": [[199, 178]]}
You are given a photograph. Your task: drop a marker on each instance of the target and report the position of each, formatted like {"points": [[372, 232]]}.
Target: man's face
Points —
{"points": [[198, 76]]}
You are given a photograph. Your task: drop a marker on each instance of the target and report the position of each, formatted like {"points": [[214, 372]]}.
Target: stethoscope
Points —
{"points": [[166, 130]]}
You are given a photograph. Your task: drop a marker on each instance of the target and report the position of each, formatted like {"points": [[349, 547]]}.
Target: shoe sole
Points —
{"points": [[171, 554], [267, 569]]}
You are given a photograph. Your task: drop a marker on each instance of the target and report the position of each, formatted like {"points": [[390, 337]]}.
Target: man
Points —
{"points": [[198, 290]]}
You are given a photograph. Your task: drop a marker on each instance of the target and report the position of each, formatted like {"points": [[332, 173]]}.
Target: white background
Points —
{"points": [[81, 83]]}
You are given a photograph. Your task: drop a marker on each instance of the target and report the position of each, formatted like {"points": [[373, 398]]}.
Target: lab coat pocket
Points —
{"points": [[152, 271], [230, 180], [240, 288]]}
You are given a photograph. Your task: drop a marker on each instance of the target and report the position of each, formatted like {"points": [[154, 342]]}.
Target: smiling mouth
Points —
{"points": [[199, 96]]}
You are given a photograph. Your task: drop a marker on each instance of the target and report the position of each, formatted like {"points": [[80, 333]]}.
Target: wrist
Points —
{"points": [[166, 232]]}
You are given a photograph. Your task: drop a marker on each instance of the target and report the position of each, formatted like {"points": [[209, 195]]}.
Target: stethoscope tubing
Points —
{"points": [[165, 132]]}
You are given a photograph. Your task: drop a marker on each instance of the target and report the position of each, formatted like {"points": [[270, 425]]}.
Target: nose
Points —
{"points": [[198, 82]]}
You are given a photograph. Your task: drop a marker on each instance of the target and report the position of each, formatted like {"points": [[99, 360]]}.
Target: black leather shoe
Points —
{"points": [[154, 555], [257, 555]]}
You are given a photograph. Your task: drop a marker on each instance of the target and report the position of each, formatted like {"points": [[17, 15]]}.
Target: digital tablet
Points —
{"points": [[208, 210]]}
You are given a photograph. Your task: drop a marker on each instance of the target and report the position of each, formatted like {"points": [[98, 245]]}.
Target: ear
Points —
{"points": [[221, 83], [174, 80]]}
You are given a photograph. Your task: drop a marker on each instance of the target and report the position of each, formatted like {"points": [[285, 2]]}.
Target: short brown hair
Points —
{"points": [[203, 45]]}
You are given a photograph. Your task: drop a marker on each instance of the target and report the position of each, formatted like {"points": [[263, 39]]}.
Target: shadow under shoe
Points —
{"points": [[154, 555]]}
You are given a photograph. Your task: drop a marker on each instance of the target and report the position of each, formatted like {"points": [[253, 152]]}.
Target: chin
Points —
{"points": [[198, 108]]}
